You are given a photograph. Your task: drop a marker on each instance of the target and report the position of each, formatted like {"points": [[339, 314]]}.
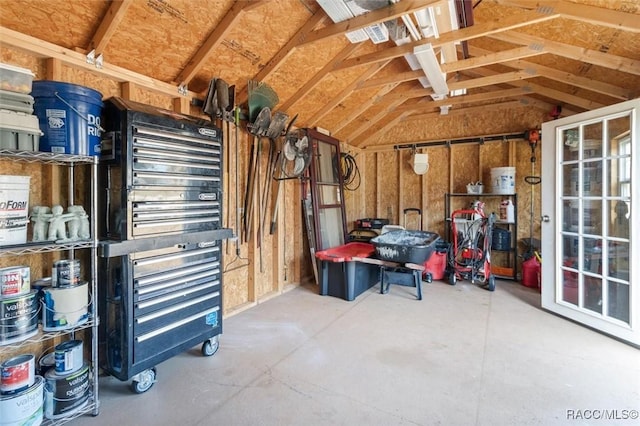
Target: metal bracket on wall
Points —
{"points": [[93, 60], [183, 89]]}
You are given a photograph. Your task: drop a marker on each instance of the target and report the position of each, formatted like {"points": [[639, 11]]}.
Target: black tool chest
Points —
{"points": [[160, 176]]}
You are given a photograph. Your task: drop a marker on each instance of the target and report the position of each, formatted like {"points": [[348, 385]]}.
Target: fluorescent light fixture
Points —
{"points": [[429, 63], [411, 27]]}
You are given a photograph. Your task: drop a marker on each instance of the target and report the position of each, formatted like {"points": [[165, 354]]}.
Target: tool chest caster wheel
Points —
{"points": [[452, 278], [428, 277], [142, 382], [210, 346]]}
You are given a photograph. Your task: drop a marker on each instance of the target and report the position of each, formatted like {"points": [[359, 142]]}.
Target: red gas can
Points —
{"points": [[531, 270]]}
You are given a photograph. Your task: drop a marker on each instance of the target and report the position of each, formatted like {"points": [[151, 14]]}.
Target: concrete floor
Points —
{"points": [[461, 356]]}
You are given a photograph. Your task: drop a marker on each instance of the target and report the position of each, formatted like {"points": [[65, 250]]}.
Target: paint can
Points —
{"points": [[68, 356], [65, 273], [46, 362], [18, 318], [14, 209], [15, 280], [24, 408], [17, 374], [64, 307], [65, 394]]}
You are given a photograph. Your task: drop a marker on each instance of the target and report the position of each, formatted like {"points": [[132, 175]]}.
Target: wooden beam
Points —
{"points": [[393, 11], [563, 77], [215, 38], [354, 113], [457, 100], [465, 111], [577, 53], [315, 80], [550, 93], [355, 137], [345, 92], [286, 50], [109, 25], [492, 80], [43, 49], [516, 20], [533, 49], [395, 78], [619, 20]]}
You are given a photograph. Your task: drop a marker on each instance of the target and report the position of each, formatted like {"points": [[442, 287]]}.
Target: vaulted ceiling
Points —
{"points": [[564, 55]]}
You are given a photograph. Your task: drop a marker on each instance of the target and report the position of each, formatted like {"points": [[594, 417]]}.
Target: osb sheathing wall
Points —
{"points": [[247, 280]]}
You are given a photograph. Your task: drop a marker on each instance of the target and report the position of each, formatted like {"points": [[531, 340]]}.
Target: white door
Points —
{"points": [[590, 210]]}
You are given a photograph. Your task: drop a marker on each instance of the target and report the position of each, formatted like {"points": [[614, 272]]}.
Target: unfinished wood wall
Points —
{"points": [[260, 271]]}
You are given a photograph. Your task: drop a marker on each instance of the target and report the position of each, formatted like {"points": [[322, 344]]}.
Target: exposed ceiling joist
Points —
{"points": [[108, 25], [215, 38], [355, 136], [393, 11], [533, 49], [396, 78], [466, 110], [364, 106], [563, 77], [577, 53], [516, 20], [585, 13], [315, 80], [491, 80], [43, 49], [286, 50], [354, 85]]}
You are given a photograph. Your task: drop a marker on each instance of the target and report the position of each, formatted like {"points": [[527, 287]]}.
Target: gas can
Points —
{"points": [[507, 211], [531, 270]]}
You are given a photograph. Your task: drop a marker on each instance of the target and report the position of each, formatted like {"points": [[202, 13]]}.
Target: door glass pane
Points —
{"points": [[331, 232], [592, 141], [571, 141], [570, 287], [618, 255], [569, 251], [619, 213], [592, 261], [592, 216], [327, 165], [570, 180], [329, 194], [619, 176], [592, 294], [618, 301], [592, 179], [617, 129], [571, 216]]}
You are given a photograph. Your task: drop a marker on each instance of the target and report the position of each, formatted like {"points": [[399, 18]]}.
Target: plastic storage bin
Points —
{"points": [[14, 101], [15, 79], [405, 246], [19, 131], [341, 276]]}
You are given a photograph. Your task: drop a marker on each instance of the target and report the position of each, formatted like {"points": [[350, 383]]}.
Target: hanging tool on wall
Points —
{"points": [[278, 160], [533, 138]]}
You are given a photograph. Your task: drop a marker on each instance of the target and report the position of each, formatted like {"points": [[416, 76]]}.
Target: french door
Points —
{"points": [[590, 211]]}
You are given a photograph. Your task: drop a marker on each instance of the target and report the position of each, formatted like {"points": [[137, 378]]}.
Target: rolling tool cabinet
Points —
{"points": [[160, 258]]}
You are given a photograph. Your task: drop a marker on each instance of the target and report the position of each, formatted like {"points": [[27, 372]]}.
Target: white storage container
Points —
{"points": [[15, 101], [15, 79], [19, 131]]}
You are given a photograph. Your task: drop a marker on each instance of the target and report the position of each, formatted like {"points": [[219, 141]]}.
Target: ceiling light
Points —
{"points": [[429, 64]]}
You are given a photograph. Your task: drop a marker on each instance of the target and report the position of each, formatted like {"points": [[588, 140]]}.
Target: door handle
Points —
{"points": [[545, 218]]}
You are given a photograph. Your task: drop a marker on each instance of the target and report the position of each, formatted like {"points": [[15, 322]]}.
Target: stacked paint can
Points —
{"points": [[65, 302], [66, 389], [21, 392], [18, 305]]}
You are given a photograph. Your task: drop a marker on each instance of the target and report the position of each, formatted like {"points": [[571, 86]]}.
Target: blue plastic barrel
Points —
{"points": [[69, 117]]}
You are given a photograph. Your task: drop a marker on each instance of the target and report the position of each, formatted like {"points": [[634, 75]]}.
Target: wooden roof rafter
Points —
{"points": [[364, 106], [108, 25], [585, 13], [563, 77], [315, 80], [214, 39], [478, 30], [590, 56]]}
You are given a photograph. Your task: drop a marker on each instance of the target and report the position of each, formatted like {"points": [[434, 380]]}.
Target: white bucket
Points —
{"points": [[14, 209], [65, 307], [503, 180]]}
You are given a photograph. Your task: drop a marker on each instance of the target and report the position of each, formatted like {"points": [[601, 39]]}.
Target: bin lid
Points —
{"points": [[346, 252]]}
